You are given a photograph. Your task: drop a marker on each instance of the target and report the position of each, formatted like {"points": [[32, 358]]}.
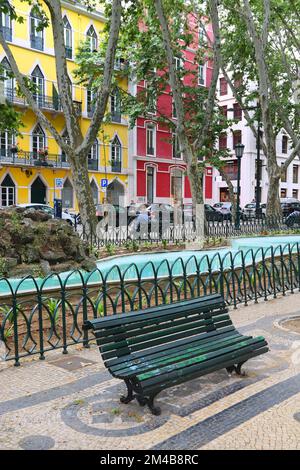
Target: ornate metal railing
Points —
{"points": [[119, 232], [40, 315]]}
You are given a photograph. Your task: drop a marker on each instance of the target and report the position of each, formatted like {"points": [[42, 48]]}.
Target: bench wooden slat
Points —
{"points": [[160, 340], [162, 330], [127, 370], [205, 303], [210, 366], [190, 365], [163, 349], [112, 335]]}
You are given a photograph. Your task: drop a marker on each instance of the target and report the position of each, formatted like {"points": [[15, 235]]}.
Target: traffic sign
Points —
{"points": [[59, 183], [104, 183]]}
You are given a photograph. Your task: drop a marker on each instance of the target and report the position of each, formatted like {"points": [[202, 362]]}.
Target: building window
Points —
{"points": [[176, 184], [295, 193], [236, 138], [5, 25], [6, 141], [150, 184], [284, 144], [8, 192], [68, 37], [38, 140], [223, 86], [178, 63], [93, 156], [237, 112], [36, 33], [176, 152], [295, 173], [67, 194], [90, 101], [201, 75], [116, 155], [92, 39], [95, 192], [202, 36], [283, 192], [39, 86], [150, 140], [66, 138], [174, 112], [115, 106], [223, 111], [283, 175], [9, 82], [223, 141]]}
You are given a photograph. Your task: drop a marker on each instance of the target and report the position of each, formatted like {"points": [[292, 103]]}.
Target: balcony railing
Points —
{"points": [[37, 42], [32, 159], [36, 159], [116, 167], [6, 33], [52, 103]]}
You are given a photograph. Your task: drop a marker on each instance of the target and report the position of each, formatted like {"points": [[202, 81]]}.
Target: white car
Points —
{"points": [[49, 210], [223, 207]]}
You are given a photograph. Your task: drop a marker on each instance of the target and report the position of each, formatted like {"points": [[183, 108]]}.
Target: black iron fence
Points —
{"points": [[37, 316], [117, 232]]}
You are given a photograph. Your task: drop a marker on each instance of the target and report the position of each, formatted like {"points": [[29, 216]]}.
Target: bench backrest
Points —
{"points": [[120, 335]]}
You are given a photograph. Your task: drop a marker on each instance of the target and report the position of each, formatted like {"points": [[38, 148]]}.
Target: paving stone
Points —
{"points": [[70, 401]]}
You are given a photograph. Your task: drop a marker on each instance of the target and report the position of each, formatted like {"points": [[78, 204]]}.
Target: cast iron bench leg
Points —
{"points": [[236, 369], [130, 395], [155, 410]]}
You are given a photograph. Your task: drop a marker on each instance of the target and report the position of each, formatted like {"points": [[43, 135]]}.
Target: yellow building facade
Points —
{"points": [[32, 167]]}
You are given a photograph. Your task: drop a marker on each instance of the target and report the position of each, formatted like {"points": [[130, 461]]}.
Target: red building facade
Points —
{"points": [[157, 169]]}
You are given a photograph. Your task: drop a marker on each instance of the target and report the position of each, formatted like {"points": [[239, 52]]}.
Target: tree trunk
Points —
{"points": [[273, 202], [80, 176]]}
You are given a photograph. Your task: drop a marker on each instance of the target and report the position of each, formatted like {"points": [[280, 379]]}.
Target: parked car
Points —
{"points": [[250, 210], [213, 215], [293, 218], [223, 207], [70, 218], [289, 205]]}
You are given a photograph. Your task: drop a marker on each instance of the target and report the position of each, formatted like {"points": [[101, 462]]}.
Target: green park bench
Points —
{"points": [[160, 347]]}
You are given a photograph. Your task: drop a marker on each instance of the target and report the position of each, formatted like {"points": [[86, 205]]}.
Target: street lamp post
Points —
{"points": [[239, 150]]}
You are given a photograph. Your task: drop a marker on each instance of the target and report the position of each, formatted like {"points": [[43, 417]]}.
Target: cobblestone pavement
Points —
{"points": [[72, 402]]}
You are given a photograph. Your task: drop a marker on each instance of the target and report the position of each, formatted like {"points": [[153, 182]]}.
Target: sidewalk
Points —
{"points": [[71, 401]]}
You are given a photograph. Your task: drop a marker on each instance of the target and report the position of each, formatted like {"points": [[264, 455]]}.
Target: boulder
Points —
{"points": [[32, 243]]}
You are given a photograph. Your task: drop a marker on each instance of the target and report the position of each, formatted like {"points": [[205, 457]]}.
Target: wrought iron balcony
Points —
{"points": [[116, 167], [37, 42], [23, 158], [52, 103], [6, 33], [38, 159]]}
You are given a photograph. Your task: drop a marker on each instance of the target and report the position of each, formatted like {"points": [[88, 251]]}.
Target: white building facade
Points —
{"points": [[240, 132]]}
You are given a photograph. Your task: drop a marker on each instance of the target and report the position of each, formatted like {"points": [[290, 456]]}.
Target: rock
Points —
{"points": [[31, 254], [45, 267], [37, 245], [11, 262], [89, 264]]}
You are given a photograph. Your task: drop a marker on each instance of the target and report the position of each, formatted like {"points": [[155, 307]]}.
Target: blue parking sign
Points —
{"points": [[104, 183]]}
